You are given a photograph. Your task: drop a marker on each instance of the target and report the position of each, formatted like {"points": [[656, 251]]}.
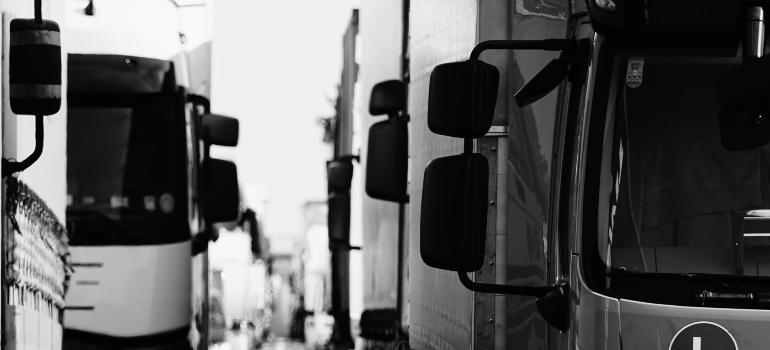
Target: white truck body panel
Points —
{"points": [[134, 290]]}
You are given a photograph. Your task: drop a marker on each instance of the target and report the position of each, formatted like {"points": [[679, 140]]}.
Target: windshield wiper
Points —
{"points": [[694, 277], [728, 281], [111, 222]]}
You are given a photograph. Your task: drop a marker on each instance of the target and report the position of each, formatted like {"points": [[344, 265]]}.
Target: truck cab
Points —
{"points": [[635, 177]]}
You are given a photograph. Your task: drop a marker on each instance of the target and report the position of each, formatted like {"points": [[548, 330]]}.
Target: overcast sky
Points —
{"points": [[275, 68]]}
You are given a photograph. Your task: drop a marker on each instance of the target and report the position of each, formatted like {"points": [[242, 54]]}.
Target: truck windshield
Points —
{"points": [[673, 199], [126, 165]]}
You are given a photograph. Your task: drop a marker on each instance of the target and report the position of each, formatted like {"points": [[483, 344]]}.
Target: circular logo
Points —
{"points": [[703, 336], [166, 203]]}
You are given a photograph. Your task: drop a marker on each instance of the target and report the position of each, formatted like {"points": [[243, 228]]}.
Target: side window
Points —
{"points": [[530, 165]]}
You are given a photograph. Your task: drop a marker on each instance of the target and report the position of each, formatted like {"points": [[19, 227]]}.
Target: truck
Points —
{"points": [[143, 192], [585, 174]]}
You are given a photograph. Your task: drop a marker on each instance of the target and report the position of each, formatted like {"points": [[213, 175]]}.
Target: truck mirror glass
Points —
{"points": [[220, 130], [453, 218], [388, 97], [339, 219], [220, 199], [339, 174], [34, 67], [744, 121], [545, 81], [386, 161], [462, 98]]}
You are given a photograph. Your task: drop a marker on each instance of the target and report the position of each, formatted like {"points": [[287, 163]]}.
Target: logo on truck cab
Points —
{"points": [[703, 336], [634, 71]]}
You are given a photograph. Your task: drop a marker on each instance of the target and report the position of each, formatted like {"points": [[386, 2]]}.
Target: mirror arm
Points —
{"points": [[342, 246], [547, 45], [357, 158], [200, 100], [538, 292], [10, 168]]}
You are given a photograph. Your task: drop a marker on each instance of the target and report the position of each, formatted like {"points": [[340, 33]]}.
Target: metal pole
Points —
{"points": [[341, 337]]}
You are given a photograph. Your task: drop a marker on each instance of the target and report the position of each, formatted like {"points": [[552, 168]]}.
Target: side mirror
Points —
{"points": [[744, 118], [549, 78], [339, 174], [387, 160], [220, 130], [453, 220], [34, 74], [339, 219], [387, 154], [462, 95], [220, 198], [462, 98], [34, 68], [388, 97]]}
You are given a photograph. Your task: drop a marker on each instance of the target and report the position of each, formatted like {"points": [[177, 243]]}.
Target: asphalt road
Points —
{"points": [[240, 341]]}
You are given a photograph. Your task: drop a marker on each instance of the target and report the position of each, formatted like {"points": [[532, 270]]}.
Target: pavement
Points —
{"points": [[241, 341]]}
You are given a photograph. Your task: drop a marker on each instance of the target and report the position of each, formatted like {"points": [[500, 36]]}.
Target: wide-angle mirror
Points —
{"points": [[453, 216], [387, 160], [220, 197]]}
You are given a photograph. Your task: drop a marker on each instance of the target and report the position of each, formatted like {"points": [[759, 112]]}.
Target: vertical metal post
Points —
{"points": [[340, 254], [489, 309], [501, 236], [400, 269], [484, 303], [401, 283]]}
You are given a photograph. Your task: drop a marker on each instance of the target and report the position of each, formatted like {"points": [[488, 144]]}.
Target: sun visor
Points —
{"points": [[109, 74], [705, 27]]}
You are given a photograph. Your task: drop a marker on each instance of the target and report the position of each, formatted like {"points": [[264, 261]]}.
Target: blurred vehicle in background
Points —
{"points": [[240, 275], [142, 189], [217, 323]]}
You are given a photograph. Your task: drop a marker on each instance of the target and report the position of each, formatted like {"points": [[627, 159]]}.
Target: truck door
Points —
{"points": [[541, 161], [565, 184]]}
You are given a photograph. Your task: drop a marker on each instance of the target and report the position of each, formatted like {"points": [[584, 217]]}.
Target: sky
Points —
{"points": [[275, 67]]}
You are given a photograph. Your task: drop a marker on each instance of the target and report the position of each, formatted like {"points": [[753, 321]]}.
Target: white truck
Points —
{"points": [[143, 192]]}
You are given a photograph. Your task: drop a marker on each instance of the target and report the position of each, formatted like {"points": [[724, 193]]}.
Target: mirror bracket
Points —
{"points": [[342, 246], [547, 45], [201, 101], [552, 302], [10, 167], [538, 292], [357, 158]]}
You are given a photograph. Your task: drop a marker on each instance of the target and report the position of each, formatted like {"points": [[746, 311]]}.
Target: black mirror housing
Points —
{"points": [[545, 81], [220, 198], [220, 130], [387, 160], [744, 118], [388, 97], [339, 174], [453, 213], [34, 67], [462, 98], [339, 218]]}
